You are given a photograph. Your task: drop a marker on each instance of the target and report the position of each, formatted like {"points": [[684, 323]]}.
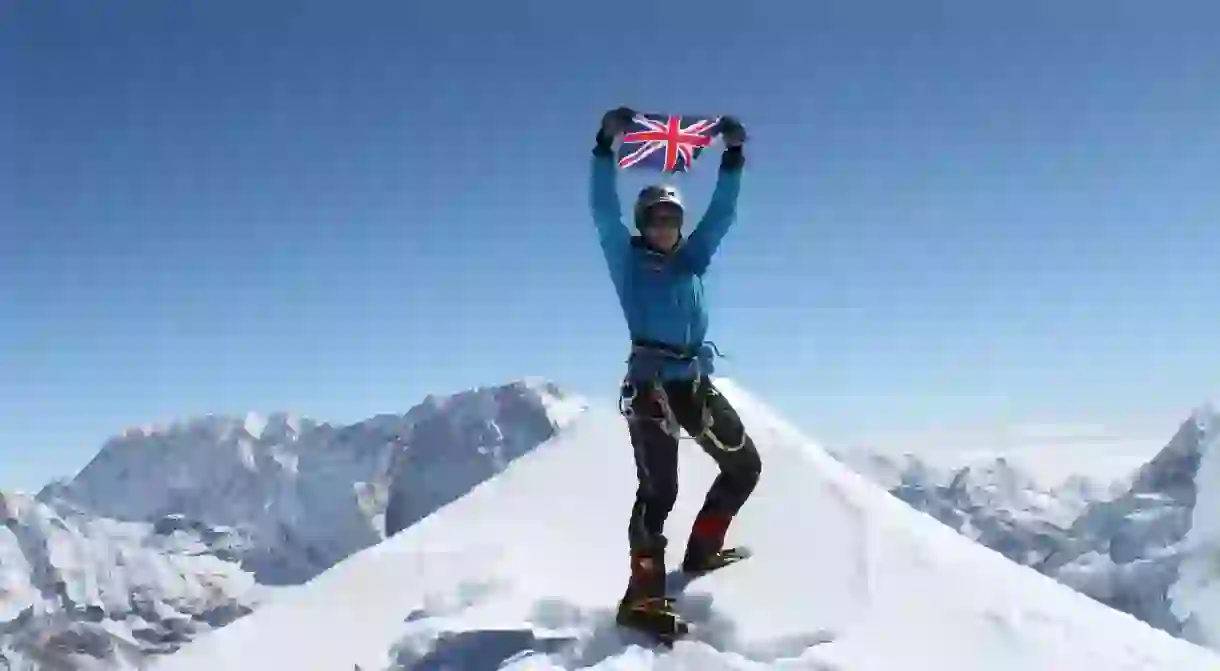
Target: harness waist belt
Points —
{"points": [[666, 349]]}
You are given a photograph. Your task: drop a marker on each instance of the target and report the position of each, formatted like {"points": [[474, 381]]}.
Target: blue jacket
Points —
{"points": [[662, 294]]}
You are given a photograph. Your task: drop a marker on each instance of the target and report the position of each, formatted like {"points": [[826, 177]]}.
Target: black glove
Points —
{"points": [[731, 130], [615, 122]]}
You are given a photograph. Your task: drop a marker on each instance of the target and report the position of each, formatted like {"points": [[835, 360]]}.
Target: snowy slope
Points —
{"points": [[307, 494], [77, 590], [535, 558]]}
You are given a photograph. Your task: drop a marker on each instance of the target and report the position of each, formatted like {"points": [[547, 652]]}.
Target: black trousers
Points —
{"points": [[710, 419]]}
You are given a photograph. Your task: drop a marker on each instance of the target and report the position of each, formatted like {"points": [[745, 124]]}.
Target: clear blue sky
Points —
{"points": [[955, 211]]}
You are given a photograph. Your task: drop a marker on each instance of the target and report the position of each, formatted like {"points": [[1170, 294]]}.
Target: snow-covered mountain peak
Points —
{"points": [[1172, 471], [1205, 415], [1125, 550], [524, 573], [488, 401], [997, 478], [458, 441], [279, 425], [991, 499], [169, 530], [80, 592], [308, 493], [1121, 544], [1195, 597], [10, 502]]}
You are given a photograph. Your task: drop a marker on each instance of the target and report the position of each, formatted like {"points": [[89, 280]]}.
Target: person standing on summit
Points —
{"points": [[658, 276]]}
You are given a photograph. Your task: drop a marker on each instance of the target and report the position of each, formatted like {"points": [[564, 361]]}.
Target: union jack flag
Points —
{"points": [[665, 142]]}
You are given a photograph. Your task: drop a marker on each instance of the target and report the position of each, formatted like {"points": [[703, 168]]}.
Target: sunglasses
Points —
{"points": [[664, 216]]}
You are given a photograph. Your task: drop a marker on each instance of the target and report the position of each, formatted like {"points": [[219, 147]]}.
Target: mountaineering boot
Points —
{"points": [[705, 548], [644, 606], [718, 559]]}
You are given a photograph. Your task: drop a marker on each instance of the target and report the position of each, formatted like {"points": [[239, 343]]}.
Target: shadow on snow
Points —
{"points": [[573, 637]]}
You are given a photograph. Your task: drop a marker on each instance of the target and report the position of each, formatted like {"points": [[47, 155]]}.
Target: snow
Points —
{"points": [[526, 568]]}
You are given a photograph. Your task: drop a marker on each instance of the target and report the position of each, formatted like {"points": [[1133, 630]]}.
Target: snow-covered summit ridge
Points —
{"points": [[524, 571], [308, 493]]}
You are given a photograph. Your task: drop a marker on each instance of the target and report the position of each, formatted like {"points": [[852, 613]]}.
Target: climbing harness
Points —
{"points": [[629, 391]]}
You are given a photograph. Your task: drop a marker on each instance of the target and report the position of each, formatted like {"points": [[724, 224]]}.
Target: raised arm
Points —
{"points": [[720, 215], [607, 211]]}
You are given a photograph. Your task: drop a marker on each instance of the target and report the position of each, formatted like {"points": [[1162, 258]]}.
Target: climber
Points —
{"points": [[658, 276]]}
